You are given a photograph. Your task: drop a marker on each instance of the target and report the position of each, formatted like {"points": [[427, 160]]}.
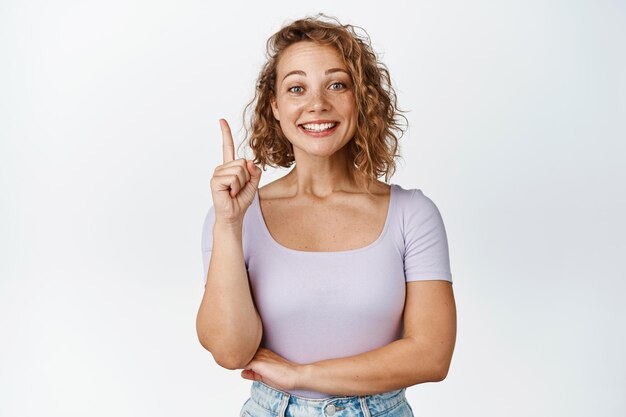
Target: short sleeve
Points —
{"points": [[426, 245], [207, 241]]}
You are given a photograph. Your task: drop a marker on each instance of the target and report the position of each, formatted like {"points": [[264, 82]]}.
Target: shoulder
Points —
{"points": [[415, 207], [413, 199]]}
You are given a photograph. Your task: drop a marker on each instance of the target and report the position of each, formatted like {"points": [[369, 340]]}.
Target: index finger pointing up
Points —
{"points": [[228, 145]]}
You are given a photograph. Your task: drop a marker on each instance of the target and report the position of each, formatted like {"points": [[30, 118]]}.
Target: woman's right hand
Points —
{"points": [[234, 183]]}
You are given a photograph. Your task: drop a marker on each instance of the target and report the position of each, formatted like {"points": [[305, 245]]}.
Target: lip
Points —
{"points": [[319, 134], [319, 121]]}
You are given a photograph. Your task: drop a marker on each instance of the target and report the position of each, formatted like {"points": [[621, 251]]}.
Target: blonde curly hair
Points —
{"points": [[378, 128]]}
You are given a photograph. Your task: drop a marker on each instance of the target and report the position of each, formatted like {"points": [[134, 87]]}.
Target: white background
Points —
{"points": [[109, 136]]}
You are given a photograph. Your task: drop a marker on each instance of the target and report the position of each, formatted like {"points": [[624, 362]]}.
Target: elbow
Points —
{"points": [[440, 364], [204, 340], [225, 360], [226, 357], [440, 372], [228, 353], [230, 363]]}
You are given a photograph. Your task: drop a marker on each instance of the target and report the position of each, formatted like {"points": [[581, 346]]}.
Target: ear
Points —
{"points": [[274, 107]]}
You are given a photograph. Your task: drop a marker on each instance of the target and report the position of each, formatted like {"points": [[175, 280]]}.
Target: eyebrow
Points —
{"points": [[329, 71]]}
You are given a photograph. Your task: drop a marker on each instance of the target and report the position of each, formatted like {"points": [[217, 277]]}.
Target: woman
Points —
{"points": [[331, 290]]}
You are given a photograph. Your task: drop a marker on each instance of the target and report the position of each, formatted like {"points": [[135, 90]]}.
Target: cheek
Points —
{"points": [[290, 108], [348, 104]]}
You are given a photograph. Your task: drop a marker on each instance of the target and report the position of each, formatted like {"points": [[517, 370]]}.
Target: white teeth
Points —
{"points": [[319, 127]]}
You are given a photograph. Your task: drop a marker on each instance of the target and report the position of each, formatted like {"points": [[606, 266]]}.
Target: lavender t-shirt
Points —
{"points": [[324, 305]]}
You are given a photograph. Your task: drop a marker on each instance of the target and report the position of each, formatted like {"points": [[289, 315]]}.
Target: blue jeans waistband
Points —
{"points": [[276, 401]]}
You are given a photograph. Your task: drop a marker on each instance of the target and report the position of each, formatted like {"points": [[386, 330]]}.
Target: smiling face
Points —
{"points": [[314, 100]]}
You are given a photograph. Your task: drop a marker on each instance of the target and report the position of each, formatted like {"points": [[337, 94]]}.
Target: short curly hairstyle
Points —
{"points": [[378, 128]]}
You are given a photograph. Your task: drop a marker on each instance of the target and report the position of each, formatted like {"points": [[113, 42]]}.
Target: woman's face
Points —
{"points": [[314, 101]]}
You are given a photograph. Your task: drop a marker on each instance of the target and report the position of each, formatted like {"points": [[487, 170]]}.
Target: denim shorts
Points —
{"points": [[266, 401]]}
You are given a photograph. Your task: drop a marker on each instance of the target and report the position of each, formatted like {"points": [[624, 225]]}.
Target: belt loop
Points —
{"points": [[366, 411], [283, 405]]}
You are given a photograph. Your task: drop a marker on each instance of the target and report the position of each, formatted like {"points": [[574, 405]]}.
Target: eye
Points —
{"points": [[342, 85], [291, 89]]}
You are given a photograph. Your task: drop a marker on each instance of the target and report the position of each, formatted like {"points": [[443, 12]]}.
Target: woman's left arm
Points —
{"points": [[422, 355]]}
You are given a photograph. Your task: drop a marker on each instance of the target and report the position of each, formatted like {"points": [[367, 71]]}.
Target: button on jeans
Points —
{"points": [[266, 401]]}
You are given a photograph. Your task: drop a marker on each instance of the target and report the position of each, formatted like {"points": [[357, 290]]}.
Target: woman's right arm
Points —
{"points": [[228, 324]]}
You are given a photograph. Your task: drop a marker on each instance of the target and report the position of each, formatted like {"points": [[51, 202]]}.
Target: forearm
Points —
{"points": [[228, 324], [400, 364]]}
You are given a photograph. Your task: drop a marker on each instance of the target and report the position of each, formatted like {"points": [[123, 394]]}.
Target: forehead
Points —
{"points": [[305, 54]]}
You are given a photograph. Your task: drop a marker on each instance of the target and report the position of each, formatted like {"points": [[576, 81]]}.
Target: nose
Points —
{"points": [[318, 102]]}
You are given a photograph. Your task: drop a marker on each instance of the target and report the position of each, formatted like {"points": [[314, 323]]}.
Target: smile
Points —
{"points": [[318, 127]]}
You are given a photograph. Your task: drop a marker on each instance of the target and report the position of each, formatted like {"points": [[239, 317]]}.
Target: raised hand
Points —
{"points": [[234, 183]]}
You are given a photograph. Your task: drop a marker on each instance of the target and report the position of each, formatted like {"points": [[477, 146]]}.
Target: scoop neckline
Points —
{"points": [[380, 237]]}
